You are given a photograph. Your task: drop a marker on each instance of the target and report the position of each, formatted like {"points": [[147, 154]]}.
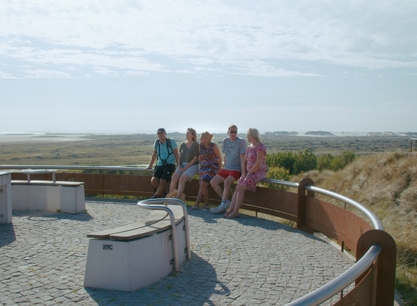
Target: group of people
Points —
{"points": [[241, 162]]}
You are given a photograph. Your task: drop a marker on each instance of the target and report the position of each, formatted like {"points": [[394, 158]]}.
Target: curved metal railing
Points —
{"points": [[147, 204], [150, 204], [372, 217], [313, 298], [342, 281]]}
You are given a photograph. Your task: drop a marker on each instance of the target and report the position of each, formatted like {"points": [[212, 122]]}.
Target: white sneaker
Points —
{"points": [[218, 209], [227, 205]]}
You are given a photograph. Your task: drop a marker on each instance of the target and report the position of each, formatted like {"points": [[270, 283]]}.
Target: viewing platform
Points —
{"points": [[244, 261], [252, 260]]}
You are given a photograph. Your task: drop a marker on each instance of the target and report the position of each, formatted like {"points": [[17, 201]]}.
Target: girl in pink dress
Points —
{"points": [[255, 169]]}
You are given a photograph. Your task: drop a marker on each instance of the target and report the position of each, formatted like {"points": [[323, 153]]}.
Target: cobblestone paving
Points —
{"points": [[244, 261]]}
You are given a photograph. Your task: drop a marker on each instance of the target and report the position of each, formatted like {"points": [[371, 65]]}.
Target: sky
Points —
{"points": [[134, 66]]}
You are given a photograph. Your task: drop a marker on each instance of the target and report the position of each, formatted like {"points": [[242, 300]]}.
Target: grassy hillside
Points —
{"points": [[387, 184]]}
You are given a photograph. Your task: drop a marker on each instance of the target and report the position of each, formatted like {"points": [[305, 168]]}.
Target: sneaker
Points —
{"points": [[219, 209], [227, 205]]}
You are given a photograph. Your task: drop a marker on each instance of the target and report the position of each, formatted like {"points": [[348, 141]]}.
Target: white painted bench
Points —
{"points": [[53, 195], [129, 257], [5, 198]]}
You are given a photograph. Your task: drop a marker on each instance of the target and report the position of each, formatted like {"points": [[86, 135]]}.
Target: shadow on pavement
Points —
{"points": [[8, 234], [195, 284]]}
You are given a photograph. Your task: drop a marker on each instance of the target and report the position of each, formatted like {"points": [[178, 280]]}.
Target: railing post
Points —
{"points": [[302, 206], [385, 265]]}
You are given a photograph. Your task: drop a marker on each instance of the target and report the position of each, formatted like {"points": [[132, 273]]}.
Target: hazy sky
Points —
{"points": [[135, 66]]}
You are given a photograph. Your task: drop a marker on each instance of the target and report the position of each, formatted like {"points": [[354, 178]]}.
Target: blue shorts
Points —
{"points": [[190, 172]]}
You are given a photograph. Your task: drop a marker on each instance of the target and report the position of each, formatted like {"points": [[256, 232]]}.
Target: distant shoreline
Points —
{"points": [[60, 136]]}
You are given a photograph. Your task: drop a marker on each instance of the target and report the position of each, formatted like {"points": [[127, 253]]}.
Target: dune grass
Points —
{"points": [[387, 184]]}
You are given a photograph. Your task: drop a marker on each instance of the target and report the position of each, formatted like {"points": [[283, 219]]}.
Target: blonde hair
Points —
{"points": [[207, 134], [254, 133], [193, 132]]}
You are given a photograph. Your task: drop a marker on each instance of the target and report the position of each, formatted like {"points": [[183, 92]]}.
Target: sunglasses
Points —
{"points": [[233, 132]]}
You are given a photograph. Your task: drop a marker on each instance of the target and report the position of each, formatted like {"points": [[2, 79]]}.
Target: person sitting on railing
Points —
{"points": [[210, 163], [234, 154], [255, 169], [166, 152], [188, 166]]}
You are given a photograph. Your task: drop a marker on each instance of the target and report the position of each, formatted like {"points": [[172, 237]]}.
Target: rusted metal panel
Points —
{"points": [[363, 293], [272, 201], [335, 222]]}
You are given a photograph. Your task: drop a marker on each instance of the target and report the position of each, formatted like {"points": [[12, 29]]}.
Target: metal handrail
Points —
{"points": [[313, 298], [65, 167], [145, 204], [174, 232], [280, 182], [336, 285]]}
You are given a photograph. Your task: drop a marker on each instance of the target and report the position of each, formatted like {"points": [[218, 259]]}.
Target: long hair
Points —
{"points": [[254, 133], [193, 132]]}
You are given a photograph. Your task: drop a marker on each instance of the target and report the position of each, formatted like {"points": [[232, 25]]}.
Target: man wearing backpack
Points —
{"points": [[166, 152]]}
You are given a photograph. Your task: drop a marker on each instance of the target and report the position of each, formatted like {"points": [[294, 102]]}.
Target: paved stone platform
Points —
{"points": [[243, 261]]}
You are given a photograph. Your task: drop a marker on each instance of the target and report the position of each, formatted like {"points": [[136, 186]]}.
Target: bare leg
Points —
{"points": [[155, 182], [227, 187], [204, 191], [174, 181], [239, 197], [232, 205], [215, 184], [181, 186], [199, 197], [161, 187]]}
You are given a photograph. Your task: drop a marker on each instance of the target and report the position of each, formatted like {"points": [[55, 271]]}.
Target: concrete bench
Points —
{"points": [[53, 195], [5, 198], [129, 257]]}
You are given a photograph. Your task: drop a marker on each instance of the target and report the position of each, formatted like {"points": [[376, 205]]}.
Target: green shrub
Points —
{"points": [[304, 161], [330, 162], [277, 173]]}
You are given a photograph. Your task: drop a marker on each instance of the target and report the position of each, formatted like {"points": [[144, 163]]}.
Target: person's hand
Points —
{"points": [[148, 169]]}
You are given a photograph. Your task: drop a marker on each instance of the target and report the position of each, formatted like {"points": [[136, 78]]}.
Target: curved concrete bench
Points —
{"points": [[129, 257]]}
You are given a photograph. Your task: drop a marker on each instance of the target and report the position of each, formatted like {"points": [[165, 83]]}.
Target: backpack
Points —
{"points": [[169, 146]]}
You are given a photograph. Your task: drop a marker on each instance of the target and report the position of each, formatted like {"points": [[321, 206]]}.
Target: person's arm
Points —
{"points": [[153, 157], [219, 155], [243, 164], [259, 158], [192, 162], [177, 156], [243, 150]]}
